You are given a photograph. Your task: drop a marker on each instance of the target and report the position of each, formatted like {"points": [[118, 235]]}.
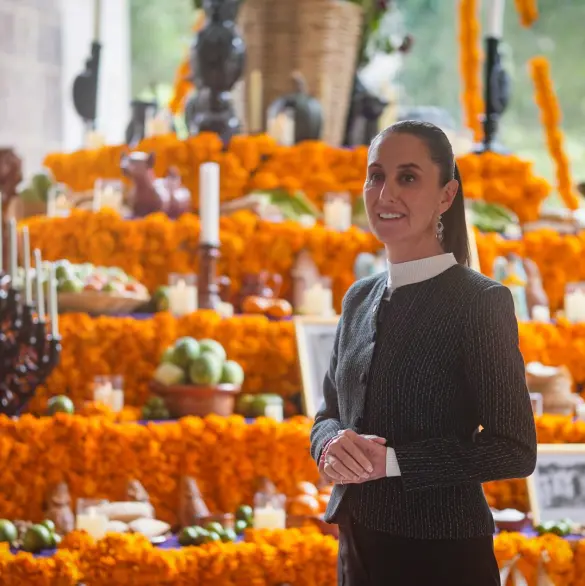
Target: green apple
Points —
{"points": [[232, 373], [185, 351], [205, 370], [212, 347]]}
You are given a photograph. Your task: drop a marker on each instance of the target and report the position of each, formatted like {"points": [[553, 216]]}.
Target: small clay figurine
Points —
{"points": [[192, 505], [136, 493], [59, 509], [149, 194]]}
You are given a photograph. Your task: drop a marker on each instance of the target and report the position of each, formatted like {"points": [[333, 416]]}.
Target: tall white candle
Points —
{"points": [[12, 249], [53, 312], [39, 284], [27, 276], [495, 18], [209, 203]]}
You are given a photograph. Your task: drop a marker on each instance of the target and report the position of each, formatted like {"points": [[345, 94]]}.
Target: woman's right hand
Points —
{"points": [[345, 462]]}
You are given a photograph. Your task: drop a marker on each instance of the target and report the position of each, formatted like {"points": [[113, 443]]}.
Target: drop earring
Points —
{"points": [[440, 229]]}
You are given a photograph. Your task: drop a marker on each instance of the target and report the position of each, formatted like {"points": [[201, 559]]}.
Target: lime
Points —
{"points": [[215, 527], [49, 525], [188, 536], [167, 355], [213, 537], [202, 536], [240, 526], [228, 535], [60, 404], [37, 538], [155, 403], [212, 347], [205, 370], [185, 350], [146, 413], [8, 532], [232, 373], [245, 513]]}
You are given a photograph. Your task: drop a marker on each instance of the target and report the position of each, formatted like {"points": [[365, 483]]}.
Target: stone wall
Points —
{"points": [[31, 78]]}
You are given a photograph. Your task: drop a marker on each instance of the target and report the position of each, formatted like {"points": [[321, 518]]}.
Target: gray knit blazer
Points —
{"points": [[425, 367]]}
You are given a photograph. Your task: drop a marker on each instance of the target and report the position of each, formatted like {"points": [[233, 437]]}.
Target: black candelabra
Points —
{"points": [[496, 96], [28, 351]]}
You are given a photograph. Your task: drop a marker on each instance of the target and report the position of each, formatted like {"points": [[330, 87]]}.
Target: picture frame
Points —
{"points": [[556, 489], [315, 339]]}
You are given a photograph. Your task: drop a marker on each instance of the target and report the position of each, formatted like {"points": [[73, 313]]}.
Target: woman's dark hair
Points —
{"points": [[454, 223]]}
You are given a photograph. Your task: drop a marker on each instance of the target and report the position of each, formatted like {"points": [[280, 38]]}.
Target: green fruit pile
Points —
{"points": [[8, 531], [155, 410], [211, 533], [216, 532], [40, 537], [561, 528], [198, 362]]}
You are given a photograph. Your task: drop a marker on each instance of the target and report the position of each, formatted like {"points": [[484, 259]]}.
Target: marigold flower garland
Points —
{"points": [[293, 556], [470, 65], [527, 11], [97, 457], [551, 116], [257, 163]]}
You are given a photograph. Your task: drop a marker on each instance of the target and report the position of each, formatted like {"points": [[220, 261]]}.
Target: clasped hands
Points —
{"points": [[351, 458]]}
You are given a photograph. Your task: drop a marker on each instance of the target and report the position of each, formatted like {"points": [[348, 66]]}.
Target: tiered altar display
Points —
{"points": [[265, 243]]}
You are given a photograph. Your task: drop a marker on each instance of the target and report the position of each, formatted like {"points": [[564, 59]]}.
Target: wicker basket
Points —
{"points": [[319, 38], [98, 303]]}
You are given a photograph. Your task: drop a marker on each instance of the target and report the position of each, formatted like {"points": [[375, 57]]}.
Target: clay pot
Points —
{"points": [[198, 400]]}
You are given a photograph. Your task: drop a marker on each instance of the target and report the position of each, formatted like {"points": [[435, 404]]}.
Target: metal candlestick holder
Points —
{"points": [[496, 95], [29, 353], [207, 286]]}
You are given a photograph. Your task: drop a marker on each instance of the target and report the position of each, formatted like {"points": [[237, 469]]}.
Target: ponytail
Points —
{"points": [[454, 221]]}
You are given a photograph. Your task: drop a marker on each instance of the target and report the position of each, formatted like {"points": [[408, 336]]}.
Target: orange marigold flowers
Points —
{"points": [[470, 65], [550, 116], [527, 11]]}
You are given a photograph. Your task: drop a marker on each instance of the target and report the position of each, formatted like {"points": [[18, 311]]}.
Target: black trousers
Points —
{"points": [[373, 558]]}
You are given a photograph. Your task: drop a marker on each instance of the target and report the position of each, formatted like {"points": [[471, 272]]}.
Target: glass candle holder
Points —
{"points": [[575, 302], [90, 519], [182, 294], [109, 390], [58, 202], [318, 299], [269, 511], [281, 126], [337, 211], [108, 193]]}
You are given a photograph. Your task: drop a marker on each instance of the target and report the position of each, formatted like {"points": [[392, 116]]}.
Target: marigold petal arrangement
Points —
{"points": [[97, 457], [293, 556]]}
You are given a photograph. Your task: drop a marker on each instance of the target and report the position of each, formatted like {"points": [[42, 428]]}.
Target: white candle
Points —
{"points": [[337, 214], [117, 400], [13, 249], [182, 298], [93, 523], [495, 18], [541, 313], [575, 306], [27, 276], [53, 311], [39, 283], [269, 518], [580, 411], [103, 393], [255, 97], [209, 203]]}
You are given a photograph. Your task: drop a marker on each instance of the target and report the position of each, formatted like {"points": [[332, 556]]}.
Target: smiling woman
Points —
{"points": [[413, 193], [423, 357]]}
